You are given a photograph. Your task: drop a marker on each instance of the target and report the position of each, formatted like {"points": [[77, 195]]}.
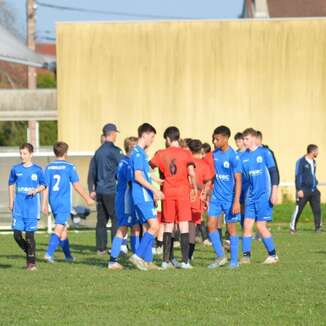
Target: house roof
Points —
{"points": [[15, 51], [297, 8]]}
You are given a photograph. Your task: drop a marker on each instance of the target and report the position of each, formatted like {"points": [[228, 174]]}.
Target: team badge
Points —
{"points": [[226, 164], [259, 159], [34, 177]]}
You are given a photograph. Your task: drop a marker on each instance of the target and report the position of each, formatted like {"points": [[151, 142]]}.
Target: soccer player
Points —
{"points": [[225, 197], [124, 207], [144, 195], [60, 175], [177, 165], [26, 182], [238, 138], [259, 168], [203, 179]]}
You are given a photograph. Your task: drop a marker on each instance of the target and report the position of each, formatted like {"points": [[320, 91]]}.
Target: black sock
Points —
{"points": [[191, 249], [185, 247], [18, 236], [221, 236], [30, 240], [159, 243], [167, 243], [172, 248]]}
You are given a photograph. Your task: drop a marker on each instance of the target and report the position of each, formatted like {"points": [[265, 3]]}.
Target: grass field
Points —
{"points": [[86, 293]]}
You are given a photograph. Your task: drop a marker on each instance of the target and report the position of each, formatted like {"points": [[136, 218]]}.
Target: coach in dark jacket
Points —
{"points": [[102, 173], [306, 188]]}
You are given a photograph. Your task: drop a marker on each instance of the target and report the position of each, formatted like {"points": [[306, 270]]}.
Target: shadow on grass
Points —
{"points": [[5, 266]]}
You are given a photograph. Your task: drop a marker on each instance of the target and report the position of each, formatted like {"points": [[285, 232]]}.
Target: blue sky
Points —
{"points": [[193, 9]]}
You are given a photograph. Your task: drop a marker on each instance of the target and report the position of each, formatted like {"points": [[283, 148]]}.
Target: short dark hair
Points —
{"points": [[195, 146], [145, 128], [238, 135], [27, 146], [259, 134], [222, 130], [249, 131], [128, 142], [206, 148], [60, 148], [172, 133], [311, 148]]}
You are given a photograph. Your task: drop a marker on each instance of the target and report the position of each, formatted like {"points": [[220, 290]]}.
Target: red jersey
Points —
{"points": [[203, 175], [173, 162], [208, 158]]}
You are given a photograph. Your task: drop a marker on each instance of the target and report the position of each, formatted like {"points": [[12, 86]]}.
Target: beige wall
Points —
{"points": [[197, 74]]}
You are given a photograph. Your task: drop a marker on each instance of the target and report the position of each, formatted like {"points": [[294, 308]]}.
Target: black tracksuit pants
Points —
{"points": [[313, 197]]}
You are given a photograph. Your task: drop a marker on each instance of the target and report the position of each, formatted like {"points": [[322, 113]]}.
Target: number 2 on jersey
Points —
{"points": [[57, 178]]}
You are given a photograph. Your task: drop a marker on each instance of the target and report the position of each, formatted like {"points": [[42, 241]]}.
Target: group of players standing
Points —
{"points": [[240, 186]]}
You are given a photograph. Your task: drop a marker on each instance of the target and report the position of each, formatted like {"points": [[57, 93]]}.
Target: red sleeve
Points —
{"points": [[190, 159], [210, 162], [156, 161], [207, 172]]}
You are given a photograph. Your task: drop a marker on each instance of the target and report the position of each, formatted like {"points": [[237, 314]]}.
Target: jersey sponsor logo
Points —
{"points": [[34, 177], [226, 164], [259, 159], [244, 161], [255, 173], [19, 174], [223, 177], [23, 189]]}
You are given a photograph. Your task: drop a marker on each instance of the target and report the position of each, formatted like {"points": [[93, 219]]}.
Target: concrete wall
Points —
{"points": [[196, 74]]}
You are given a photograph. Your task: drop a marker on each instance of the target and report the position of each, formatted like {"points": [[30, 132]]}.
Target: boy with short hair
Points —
{"points": [[225, 196], [60, 175], [177, 166], [144, 195], [259, 169], [203, 179], [26, 182], [124, 207]]}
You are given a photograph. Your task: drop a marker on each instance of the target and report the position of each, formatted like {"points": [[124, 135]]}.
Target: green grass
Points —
{"points": [[86, 293]]}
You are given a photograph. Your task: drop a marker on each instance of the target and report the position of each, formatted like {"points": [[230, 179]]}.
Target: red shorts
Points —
{"points": [[176, 210], [196, 217]]}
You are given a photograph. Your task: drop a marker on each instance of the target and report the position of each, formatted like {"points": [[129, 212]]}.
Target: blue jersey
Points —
{"points": [[139, 162], [59, 176], [26, 179], [226, 165], [255, 165], [123, 196], [245, 181]]}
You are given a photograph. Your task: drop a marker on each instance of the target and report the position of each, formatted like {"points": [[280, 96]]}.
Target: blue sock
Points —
{"points": [[246, 245], [216, 243], [145, 241], [65, 247], [269, 245], [53, 244], [148, 255], [115, 250], [234, 239], [134, 241]]}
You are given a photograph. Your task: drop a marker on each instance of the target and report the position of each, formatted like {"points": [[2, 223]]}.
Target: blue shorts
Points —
{"points": [[215, 209], [129, 220], [61, 218], [261, 210], [145, 211], [24, 224]]}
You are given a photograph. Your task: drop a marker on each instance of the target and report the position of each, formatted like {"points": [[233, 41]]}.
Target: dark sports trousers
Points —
{"points": [[313, 197], [105, 212]]}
